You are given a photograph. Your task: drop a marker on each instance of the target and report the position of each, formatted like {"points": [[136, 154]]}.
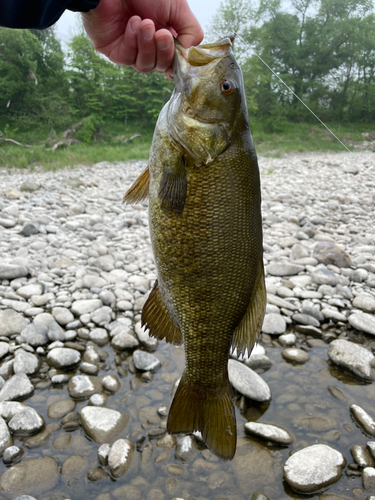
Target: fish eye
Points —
{"points": [[227, 87]]}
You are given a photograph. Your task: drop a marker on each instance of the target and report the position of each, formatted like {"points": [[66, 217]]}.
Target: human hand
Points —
{"points": [[140, 32]]}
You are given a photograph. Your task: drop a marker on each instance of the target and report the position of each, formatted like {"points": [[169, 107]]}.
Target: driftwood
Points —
{"points": [[63, 143], [5, 139], [71, 131]]}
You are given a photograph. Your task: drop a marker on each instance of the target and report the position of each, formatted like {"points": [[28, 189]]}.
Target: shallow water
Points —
{"points": [[301, 403]]}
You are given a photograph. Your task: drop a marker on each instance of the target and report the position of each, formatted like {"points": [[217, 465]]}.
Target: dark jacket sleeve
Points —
{"points": [[39, 14]]}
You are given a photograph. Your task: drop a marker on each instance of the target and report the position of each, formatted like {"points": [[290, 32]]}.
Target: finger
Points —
{"points": [[187, 26], [164, 50], [146, 56], [129, 55]]}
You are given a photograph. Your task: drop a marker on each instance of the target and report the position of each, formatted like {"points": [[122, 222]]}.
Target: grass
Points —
{"points": [[291, 138]]}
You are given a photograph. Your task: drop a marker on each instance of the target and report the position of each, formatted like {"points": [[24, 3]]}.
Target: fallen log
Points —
{"points": [[5, 139]]}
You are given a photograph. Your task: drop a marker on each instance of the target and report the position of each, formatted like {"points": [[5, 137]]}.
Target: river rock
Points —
{"points": [[34, 476], [273, 324], [247, 382], [364, 419], [296, 355], [11, 272], [63, 358], [365, 302], [25, 362], [368, 478], [26, 422], [74, 467], [17, 387], [269, 432], [284, 269], [62, 315], [102, 424], [83, 386], [120, 457], [363, 322], [80, 307], [35, 335], [145, 361], [328, 252], [123, 340], [11, 322], [5, 438], [12, 455], [352, 357], [111, 383], [313, 468], [60, 408]]}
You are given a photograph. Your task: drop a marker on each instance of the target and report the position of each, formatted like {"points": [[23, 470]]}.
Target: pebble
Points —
{"points": [[102, 424], [35, 476], [274, 324], [17, 387], [269, 432], [361, 456], [111, 383], [313, 468], [248, 382], [60, 408], [12, 455], [352, 357], [6, 440], [295, 355], [26, 422], [363, 322], [145, 361], [120, 457], [25, 362], [83, 386], [63, 358], [365, 420]]}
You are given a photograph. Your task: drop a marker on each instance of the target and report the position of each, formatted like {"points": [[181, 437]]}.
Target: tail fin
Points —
{"points": [[211, 414]]}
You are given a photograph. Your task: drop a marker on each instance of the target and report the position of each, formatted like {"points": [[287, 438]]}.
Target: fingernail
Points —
{"points": [[134, 25], [147, 33], [164, 43]]}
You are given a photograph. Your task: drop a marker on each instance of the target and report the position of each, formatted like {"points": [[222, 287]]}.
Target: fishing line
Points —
{"points": [[290, 90]]}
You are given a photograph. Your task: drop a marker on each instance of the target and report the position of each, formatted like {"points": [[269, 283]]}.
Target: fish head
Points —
{"points": [[208, 102]]}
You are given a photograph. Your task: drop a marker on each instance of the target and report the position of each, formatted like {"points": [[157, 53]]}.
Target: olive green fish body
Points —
{"points": [[206, 234]]}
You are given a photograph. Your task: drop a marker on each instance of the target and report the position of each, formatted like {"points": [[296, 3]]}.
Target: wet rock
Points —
{"points": [[62, 442], [364, 419], [186, 448], [74, 467], [337, 394], [145, 361], [26, 422], [38, 440], [97, 474], [83, 386], [368, 478], [120, 457], [98, 400], [103, 454], [315, 423], [361, 456], [102, 424], [273, 324], [352, 357], [34, 476], [11, 322], [257, 495], [269, 432], [328, 252], [148, 342], [295, 355], [313, 468], [123, 340], [5, 438], [247, 382], [363, 322], [111, 383], [258, 358], [60, 408], [17, 387], [25, 362], [12, 455], [63, 358], [287, 340]]}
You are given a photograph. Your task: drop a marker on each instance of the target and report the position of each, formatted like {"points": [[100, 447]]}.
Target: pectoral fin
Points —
{"points": [[138, 191], [156, 318], [173, 187], [246, 333]]}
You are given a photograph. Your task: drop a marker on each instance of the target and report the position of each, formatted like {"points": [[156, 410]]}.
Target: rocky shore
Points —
{"points": [[84, 391]]}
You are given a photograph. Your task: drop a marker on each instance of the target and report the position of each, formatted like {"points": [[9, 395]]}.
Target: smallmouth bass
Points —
{"points": [[206, 231]]}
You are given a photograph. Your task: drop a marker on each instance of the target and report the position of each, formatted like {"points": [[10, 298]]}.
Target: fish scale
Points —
{"points": [[206, 234]]}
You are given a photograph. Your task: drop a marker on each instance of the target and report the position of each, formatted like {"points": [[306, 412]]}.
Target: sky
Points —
{"points": [[202, 9]]}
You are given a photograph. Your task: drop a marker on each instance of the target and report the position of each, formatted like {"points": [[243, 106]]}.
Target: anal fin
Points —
{"points": [[173, 187], [138, 191], [247, 332], [156, 318]]}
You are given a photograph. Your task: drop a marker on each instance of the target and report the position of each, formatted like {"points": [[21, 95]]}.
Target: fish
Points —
{"points": [[203, 185]]}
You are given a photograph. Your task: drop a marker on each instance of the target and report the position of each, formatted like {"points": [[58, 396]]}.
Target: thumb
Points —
{"points": [[189, 31]]}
